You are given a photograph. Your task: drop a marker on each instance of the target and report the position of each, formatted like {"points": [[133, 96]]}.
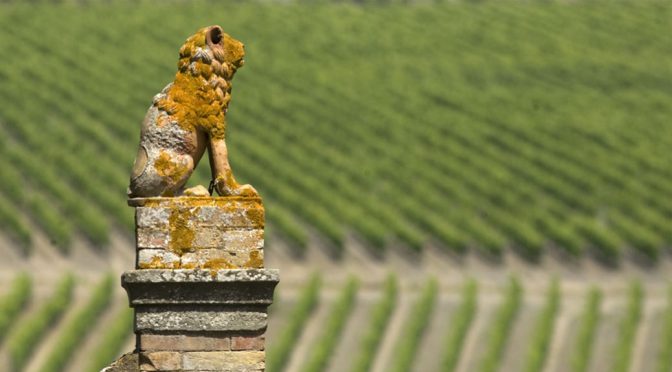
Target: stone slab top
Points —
{"points": [[191, 201], [200, 275]]}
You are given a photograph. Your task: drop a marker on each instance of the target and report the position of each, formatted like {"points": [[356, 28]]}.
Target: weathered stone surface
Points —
{"points": [[247, 343], [233, 240], [233, 214], [157, 259], [229, 239], [224, 212], [199, 276], [241, 241], [200, 287], [152, 217], [207, 318], [187, 224], [184, 342], [246, 202], [238, 361], [151, 238], [160, 361], [223, 259], [220, 293]]}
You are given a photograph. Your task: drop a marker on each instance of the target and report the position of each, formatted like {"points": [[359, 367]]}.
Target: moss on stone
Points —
{"points": [[158, 263], [181, 234], [217, 264], [256, 261]]}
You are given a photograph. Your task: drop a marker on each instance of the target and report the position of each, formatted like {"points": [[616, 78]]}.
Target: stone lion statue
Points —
{"points": [[188, 117]]}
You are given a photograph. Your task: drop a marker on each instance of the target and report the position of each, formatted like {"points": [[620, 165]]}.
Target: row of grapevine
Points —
{"points": [[74, 332], [501, 327], [332, 328], [278, 355], [461, 322], [110, 345], [543, 331], [380, 318], [14, 226], [407, 345], [628, 329], [14, 302], [29, 332], [664, 362], [587, 330]]}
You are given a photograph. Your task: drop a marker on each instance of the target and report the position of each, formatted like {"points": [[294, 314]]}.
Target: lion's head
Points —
{"points": [[200, 95], [211, 47]]}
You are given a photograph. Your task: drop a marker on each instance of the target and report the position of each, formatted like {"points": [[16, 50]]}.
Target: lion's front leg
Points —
{"points": [[224, 182]]}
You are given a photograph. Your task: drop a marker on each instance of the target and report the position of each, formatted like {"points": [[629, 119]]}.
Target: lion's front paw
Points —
{"points": [[198, 190], [245, 190], [232, 188]]}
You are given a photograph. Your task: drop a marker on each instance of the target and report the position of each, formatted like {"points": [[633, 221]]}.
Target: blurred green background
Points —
{"points": [[469, 128]]}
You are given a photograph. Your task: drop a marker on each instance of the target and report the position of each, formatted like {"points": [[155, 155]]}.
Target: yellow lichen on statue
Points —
{"points": [[189, 117], [169, 169], [201, 91]]}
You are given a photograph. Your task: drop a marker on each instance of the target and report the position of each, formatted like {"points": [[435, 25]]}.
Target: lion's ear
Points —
{"points": [[214, 35]]}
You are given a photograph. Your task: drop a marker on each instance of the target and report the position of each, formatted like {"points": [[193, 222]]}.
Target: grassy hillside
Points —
{"points": [[477, 126]]}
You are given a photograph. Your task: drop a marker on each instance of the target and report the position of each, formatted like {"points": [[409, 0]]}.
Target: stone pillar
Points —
{"points": [[200, 290]]}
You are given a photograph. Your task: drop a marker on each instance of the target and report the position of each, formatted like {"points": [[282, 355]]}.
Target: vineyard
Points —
{"points": [[412, 124], [360, 325], [449, 186]]}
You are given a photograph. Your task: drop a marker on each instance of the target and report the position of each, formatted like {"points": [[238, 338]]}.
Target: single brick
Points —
{"points": [[238, 361], [229, 239], [247, 343], [151, 217], [160, 361], [149, 237], [184, 342], [218, 259], [157, 259], [204, 320], [234, 215]]}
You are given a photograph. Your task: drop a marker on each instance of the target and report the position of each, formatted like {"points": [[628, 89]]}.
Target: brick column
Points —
{"points": [[200, 290]]}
